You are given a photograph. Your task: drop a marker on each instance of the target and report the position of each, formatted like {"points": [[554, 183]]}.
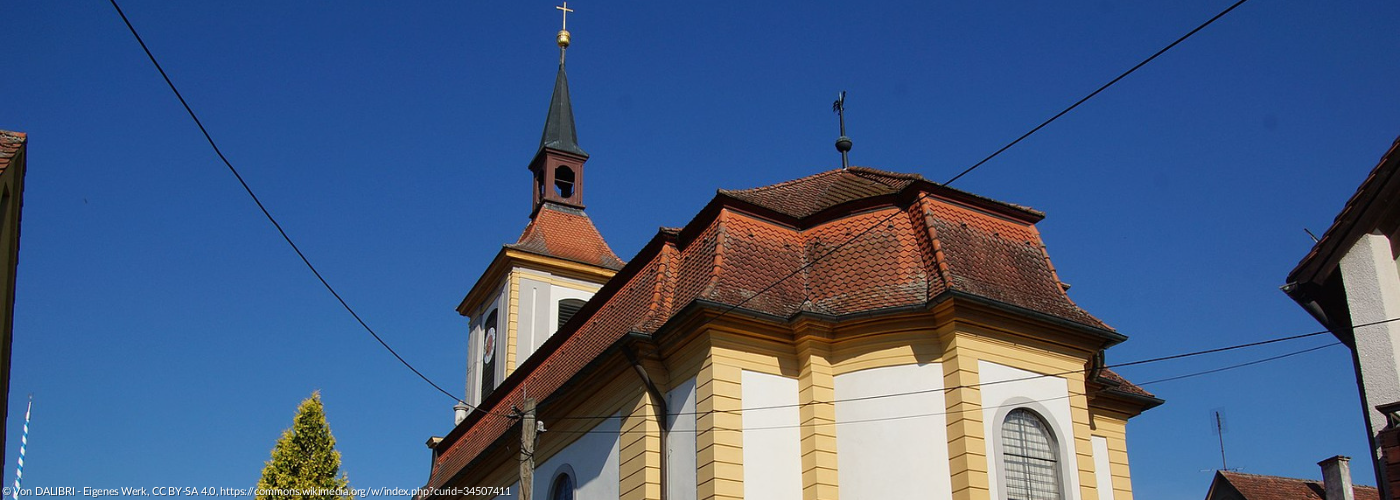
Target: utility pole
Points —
{"points": [[527, 449]]}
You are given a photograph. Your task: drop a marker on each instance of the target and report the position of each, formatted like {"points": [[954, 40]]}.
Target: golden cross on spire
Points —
{"points": [[563, 37], [567, 10]]}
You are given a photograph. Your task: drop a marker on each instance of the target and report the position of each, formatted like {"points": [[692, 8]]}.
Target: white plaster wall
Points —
{"points": [[1103, 476], [1047, 396], [881, 457], [593, 460], [772, 439], [680, 442], [533, 318], [1373, 294]]}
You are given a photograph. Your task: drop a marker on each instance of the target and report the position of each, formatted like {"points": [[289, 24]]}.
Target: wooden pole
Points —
{"points": [[527, 450]]}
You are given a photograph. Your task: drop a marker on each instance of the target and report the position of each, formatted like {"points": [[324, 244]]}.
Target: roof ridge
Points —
{"points": [[781, 184], [887, 173], [1286, 478]]}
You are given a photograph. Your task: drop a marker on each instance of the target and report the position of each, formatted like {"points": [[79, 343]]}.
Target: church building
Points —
{"points": [[855, 334]]}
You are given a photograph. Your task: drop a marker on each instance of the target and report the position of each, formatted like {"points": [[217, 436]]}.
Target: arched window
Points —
{"points": [[564, 181], [567, 309], [1029, 457], [563, 488]]}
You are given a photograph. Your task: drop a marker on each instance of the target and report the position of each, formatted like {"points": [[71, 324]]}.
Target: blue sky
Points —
{"points": [[167, 332]]}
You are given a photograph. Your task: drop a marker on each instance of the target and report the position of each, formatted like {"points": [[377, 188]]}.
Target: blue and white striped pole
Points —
{"points": [[23, 440]]}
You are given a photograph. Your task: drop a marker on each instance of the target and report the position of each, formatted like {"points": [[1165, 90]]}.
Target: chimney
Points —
{"points": [[1336, 478], [459, 411]]}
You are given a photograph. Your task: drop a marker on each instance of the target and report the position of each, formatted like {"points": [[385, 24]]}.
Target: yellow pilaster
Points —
{"points": [[816, 386], [1083, 437], [640, 458], [719, 424], [512, 321], [967, 448]]}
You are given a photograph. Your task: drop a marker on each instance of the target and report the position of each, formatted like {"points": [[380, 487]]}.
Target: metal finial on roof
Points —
{"points": [[563, 38], [843, 143], [559, 132]]}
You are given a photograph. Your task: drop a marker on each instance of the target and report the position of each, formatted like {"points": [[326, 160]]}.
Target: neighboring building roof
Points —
{"points": [[10, 144], [566, 233], [559, 133], [1239, 486], [1376, 196], [782, 251], [1314, 283]]}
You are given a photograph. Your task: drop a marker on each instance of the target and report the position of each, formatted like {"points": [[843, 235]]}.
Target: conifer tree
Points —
{"points": [[304, 460]]}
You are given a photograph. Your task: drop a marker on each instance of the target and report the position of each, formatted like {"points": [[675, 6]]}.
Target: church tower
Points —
{"points": [[535, 285]]}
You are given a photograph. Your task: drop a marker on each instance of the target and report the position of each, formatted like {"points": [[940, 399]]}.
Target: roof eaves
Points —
{"points": [[1109, 337], [1329, 248]]}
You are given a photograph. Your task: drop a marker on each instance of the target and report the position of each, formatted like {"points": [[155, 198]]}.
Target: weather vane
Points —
{"points": [[564, 31], [843, 143]]}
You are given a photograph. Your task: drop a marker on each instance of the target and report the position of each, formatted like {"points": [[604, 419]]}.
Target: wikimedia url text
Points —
{"points": [[211, 491]]}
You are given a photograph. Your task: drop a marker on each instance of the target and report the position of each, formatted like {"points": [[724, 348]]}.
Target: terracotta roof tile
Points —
{"points": [[1257, 487], [1122, 384], [812, 194], [10, 145], [566, 233], [938, 245]]}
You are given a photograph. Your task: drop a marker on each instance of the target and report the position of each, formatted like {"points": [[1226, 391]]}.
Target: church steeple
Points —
{"points": [[558, 165], [559, 132]]}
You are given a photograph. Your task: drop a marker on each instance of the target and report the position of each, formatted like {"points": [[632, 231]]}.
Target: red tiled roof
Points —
{"points": [[1122, 384], [812, 194], [566, 233], [903, 254], [1257, 487], [10, 144], [938, 244]]}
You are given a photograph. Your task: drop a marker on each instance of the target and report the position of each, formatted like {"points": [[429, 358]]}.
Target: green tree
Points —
{"points": [[304, 460]]}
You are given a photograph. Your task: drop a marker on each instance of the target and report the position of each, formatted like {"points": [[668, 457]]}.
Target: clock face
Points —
{"points": [[489, 346]]}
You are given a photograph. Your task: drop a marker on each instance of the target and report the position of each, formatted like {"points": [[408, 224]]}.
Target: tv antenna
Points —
{"points": [[1219, 427]]}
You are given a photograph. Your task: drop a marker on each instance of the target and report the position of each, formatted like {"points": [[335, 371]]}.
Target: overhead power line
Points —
{"points": [[921, 196], [1044, 375], [1096, 91], [305, 260], [938, 413], [268, 214]]}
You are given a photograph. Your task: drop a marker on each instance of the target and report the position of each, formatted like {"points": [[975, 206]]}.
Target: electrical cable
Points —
{"points": [[1020, 379], [953, 412], [1096, 92], [269, 216], [731, 308], [921, 196]]}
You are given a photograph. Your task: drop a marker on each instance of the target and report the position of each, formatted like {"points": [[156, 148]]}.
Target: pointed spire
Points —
{"points": [[559, 133]]}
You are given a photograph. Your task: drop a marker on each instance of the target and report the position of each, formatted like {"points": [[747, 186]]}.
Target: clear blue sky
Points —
{"points": [[167, 332]]}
